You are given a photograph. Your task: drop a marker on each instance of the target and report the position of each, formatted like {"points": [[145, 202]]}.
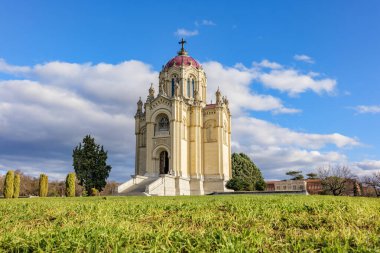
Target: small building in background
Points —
{"points": [[312, 186]]}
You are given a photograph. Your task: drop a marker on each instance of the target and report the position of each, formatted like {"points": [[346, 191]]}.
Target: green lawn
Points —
{"points": [[240, 223]]}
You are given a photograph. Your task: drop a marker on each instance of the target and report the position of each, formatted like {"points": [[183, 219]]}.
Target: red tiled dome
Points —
{"points": [[183, 60]]}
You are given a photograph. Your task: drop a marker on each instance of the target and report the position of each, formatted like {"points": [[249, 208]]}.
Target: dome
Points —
{"points": [[183, 60]]}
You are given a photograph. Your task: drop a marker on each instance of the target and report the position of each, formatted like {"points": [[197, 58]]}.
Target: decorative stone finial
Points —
{"points": [[161, 89], [218, 97], [151, 93], [151, 90], [225, 100]]}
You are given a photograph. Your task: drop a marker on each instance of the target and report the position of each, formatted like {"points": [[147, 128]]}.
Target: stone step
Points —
{"points": [[138, 189]]}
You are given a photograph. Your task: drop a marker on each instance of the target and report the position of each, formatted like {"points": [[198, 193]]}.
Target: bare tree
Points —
{"points": [[373, 181], [335, 179], [28, 184]]}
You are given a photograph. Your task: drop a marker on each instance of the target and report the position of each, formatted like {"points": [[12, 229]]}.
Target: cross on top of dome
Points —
{"points": [[182, 59], [182, 51]]}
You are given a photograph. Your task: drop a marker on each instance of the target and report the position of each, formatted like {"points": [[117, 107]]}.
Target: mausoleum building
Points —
{"points": [[183, 144]]}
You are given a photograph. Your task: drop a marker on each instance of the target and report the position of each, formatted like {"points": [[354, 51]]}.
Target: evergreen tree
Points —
{"points": [[70, 185], [246, 176], [8, 184], [295, 174], [43, 184], [16, 188], [312, 175], [89, 161]]}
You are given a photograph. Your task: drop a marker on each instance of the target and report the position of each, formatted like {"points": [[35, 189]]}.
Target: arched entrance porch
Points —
{"points": [[164, 162], [161, 160]]}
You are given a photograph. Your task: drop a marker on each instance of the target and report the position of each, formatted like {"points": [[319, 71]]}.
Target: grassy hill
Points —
{"points": [[191, 224]]}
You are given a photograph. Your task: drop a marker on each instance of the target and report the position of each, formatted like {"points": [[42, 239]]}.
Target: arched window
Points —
{"points": [[188, 87], [173, 85], [163, 123], [192, 87]]}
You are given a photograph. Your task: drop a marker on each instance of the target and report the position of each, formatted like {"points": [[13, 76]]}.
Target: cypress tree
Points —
{"points": [[90, 164], [70, 185], [16, 189], [43, 184], [8, 184]]}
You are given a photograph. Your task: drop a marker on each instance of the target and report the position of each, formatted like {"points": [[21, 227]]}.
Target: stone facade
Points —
{"points": [[181, 140]]}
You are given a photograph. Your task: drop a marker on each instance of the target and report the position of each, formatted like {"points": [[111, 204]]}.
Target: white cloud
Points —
{"points": [[186, 33], [267, 64], [208, 22], [372, 165], [52, 112], [108, 83], [367, 108], [276, 76], [236, 83], [12, 69], [265, 134], [293, 82], [276, 149], [204, 22], [304, 58], [276, 161]]}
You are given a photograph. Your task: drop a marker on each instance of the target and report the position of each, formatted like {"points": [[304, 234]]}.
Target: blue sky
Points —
{"points": [[302, 77]]}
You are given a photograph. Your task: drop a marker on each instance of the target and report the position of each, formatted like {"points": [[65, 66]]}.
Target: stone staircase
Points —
{"points": [[136, 187]]}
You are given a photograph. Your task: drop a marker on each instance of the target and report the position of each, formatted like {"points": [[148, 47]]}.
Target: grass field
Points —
{"points": [[191, 224]]}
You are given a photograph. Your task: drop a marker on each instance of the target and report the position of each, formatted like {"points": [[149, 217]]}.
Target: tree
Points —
{"points": [[70, 185], [312, 175], [295, 174], [246, 176], [16, 186], [373, 181], [28, 184], [8, 184], [89, 161], [56, 188], [43, 185], [335, 179]]}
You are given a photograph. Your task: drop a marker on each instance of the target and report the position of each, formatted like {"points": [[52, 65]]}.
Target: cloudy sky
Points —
{"points": [[302, 78]]}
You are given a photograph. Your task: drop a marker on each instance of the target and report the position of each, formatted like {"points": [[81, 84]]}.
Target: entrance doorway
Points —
{"points": [[164, 162]]}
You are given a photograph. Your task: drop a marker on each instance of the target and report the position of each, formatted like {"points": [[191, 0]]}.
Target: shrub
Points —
{"points": [[8, 184], [16, 186], [70, 185], [43, 185], [94, 192]]}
